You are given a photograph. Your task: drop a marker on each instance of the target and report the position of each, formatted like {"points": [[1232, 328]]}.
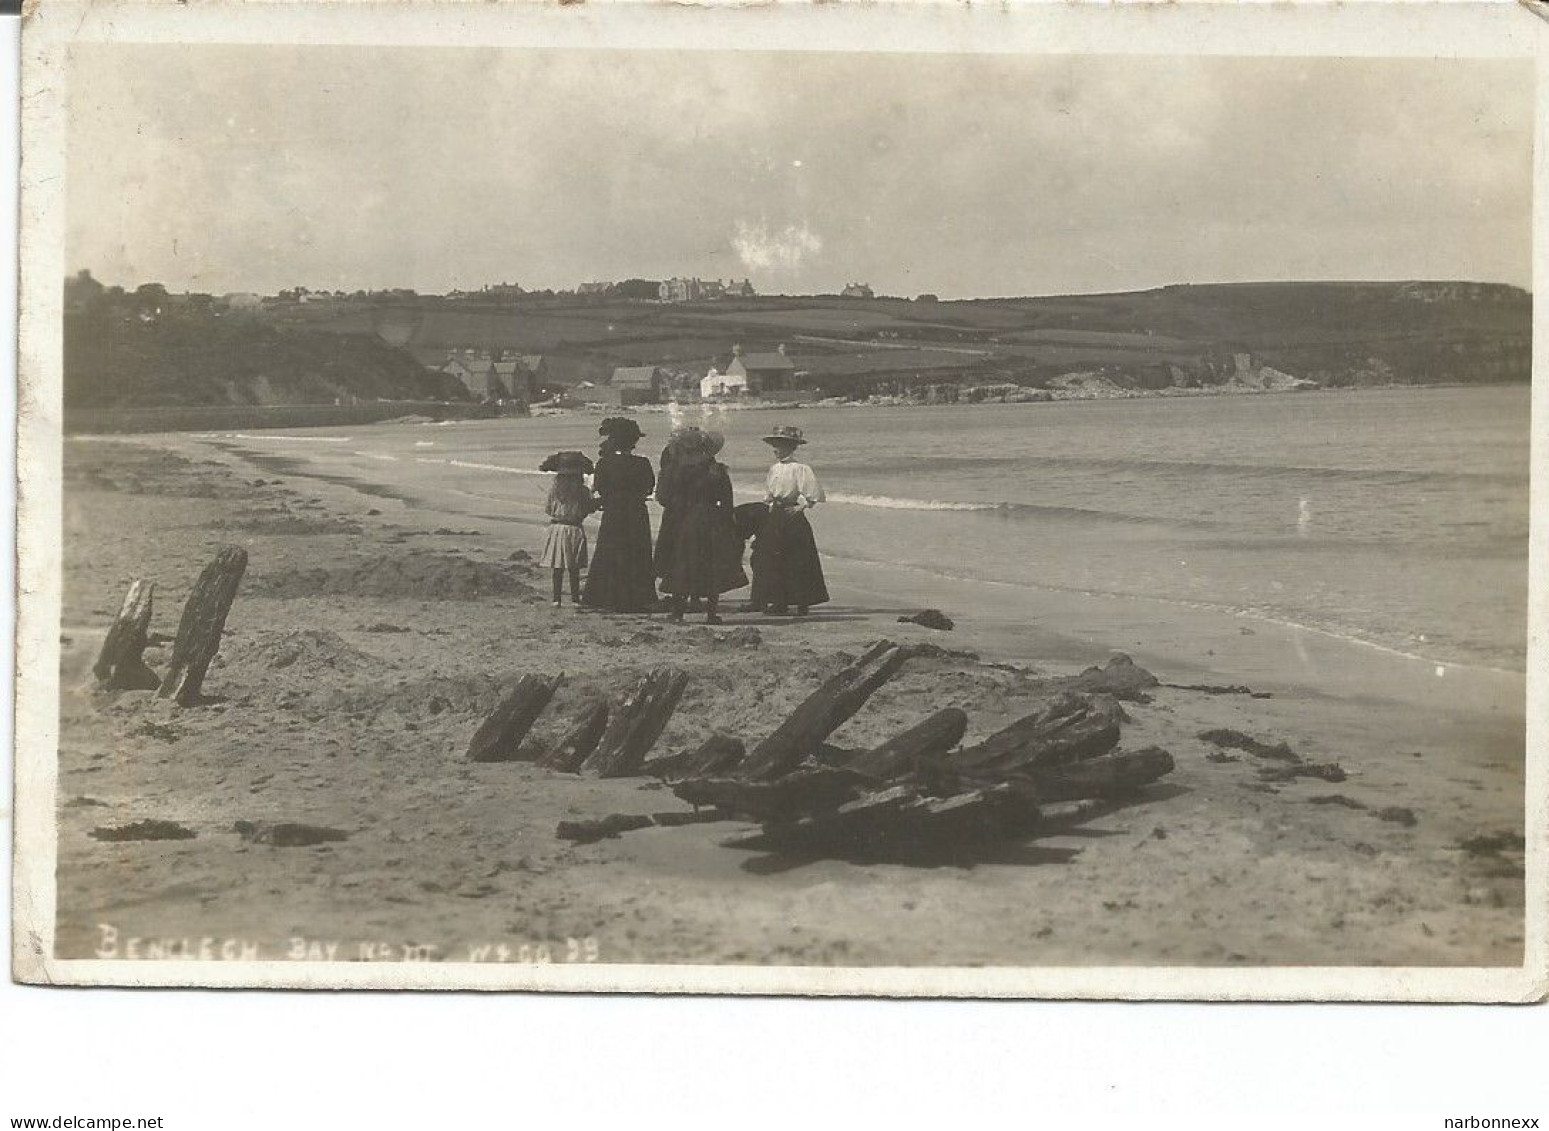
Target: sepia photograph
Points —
{"points": [[796, 518]]}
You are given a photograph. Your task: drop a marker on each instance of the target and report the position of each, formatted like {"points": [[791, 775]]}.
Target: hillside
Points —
{"points": [[1253, 335], [200, 358], [1331, 333]]}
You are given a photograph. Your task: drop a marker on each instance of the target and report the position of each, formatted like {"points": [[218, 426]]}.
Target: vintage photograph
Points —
{"points": [[583, 514]]}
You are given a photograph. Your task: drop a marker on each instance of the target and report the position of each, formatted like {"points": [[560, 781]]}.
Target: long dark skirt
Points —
{"points": [[786, 569], [666, 536], [620, 578], [704, 556]]}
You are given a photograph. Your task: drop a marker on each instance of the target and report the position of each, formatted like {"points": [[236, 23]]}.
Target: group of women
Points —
{"points": [[698, 552]]}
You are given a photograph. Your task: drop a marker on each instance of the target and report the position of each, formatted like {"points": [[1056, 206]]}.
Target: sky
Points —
{"points": [[236, 168]]}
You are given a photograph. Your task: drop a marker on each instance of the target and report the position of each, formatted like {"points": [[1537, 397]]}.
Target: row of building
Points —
{"points": [[748, 374], [696, 290]]}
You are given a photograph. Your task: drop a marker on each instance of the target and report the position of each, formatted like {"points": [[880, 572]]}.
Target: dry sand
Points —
{"points": [[364, 649]]}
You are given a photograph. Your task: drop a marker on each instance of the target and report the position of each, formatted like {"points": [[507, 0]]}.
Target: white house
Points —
{"points": [[715, 384]]}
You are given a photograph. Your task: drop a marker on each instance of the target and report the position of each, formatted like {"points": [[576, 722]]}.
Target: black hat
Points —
{"points": [[620, 428], [568, 463]]}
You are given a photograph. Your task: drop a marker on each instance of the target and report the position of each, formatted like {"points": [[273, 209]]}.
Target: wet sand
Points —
{"points": [[352, 708]]}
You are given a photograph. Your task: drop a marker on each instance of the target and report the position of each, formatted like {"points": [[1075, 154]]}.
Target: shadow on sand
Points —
{"points": [[1014, 851]]}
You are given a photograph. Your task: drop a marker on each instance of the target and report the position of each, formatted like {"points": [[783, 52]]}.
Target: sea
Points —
{"points": [[1394, 517]]}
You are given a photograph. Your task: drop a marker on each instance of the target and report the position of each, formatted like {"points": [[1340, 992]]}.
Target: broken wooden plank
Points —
{"points": [[499, 737], [199, 630], [900, 754], [637, 725], [119, 665], [823, 712], [1066, 726], [802, 792], [717, 754], [580, 740], [1111, 775]]}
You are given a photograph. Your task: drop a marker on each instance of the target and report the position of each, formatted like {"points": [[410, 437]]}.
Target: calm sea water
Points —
{"points": [[1397, 517]]}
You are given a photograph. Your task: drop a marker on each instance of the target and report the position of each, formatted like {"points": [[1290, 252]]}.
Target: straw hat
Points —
{"points": [[785, 434], [567, 463]]}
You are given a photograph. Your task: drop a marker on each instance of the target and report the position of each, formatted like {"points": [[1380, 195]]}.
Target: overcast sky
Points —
{"points": [[243, 168]]}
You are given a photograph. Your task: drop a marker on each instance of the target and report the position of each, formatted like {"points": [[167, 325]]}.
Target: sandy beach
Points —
{"points": [[373, 633]]}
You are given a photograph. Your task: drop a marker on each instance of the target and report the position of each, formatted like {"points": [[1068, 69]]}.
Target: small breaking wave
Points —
{"points": [[1010, 510], [888, 502], [271, 436]]}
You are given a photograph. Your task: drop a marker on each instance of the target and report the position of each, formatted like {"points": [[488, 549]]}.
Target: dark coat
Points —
{"points": [[668, 531], [621, 578], [703, 554]]}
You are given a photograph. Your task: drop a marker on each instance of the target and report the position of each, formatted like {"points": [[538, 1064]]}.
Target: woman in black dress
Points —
{"points": [[621, 579], [704, 555]]}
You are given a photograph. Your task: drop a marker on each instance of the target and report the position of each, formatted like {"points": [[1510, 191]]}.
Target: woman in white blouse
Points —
{"points": [[786, 570]]}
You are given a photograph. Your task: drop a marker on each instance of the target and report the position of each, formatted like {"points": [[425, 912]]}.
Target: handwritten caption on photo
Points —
{"points": [[113, 944]]}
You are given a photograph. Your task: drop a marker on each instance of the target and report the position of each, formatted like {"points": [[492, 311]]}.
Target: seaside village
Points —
{"points": [[500, 378]]}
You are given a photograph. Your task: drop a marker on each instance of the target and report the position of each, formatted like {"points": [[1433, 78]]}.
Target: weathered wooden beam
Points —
{"points": [[635, 727], [900, 754], [823, 712], [812, 789], [119, 665], [717, 754], [1066, 726], [580, 740], [499, 737], [1110, 775], [204, 619]]}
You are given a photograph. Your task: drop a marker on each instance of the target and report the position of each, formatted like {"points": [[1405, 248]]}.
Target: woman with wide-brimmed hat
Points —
{"points": [[702, 556], [787, 572], [569, 502], [621, 579]]}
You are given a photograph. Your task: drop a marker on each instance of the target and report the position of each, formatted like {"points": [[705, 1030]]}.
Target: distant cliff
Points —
{"points": [[181, 358]]}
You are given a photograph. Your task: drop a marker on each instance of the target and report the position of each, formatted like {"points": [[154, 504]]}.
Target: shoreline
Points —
{"points": [[154, 420], [523, 512], [353, 711]]}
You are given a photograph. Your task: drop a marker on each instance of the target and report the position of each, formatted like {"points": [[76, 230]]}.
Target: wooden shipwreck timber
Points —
{"points": [[920, 795]]}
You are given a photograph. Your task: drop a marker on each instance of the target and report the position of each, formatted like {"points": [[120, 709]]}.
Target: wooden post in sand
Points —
{"points": [[637, 725], [580, 740], [119, 665], [499, 738], [204, 619], [823, 712]]}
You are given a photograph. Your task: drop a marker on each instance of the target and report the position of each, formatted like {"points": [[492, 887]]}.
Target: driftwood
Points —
{"points": [[1111, 775], [801, 791], [204, 619], [1066, 727], [637, 725], [911, 798], [823, 712], [119, 664], [499, 737], [717, 754], [901, 753], [580, 740]]}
